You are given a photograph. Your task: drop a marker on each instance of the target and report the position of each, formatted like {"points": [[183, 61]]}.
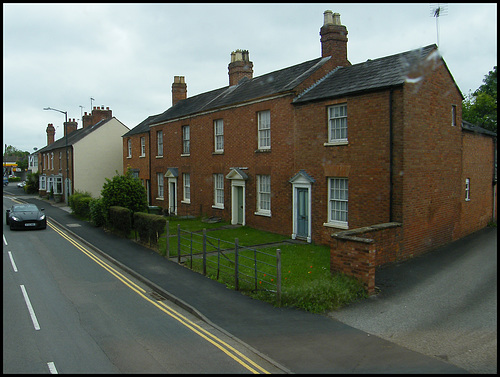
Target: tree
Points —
{"points": [[32, 181], [22, 163], [124, 191], [480, 107], [21, 157], [13, 151]]}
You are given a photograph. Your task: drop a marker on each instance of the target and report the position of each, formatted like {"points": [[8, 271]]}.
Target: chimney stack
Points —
{"points": [[51, 131], [99, 114], [86, 120], [179, 89], [70, 126], [240, 66], [334, 39]]}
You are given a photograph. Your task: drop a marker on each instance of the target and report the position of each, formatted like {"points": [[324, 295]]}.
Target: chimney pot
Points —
{"points": [[328, 17], [336, 19]]}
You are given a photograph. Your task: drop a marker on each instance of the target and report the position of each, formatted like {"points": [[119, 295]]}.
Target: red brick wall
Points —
{"points": [[240, 150], [358, 252], [59, 167], [136, 161], [430, 176], [478, 167], [355, 259], [364, 161]]}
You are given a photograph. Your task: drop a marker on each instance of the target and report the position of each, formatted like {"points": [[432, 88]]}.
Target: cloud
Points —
{"points": [[126, 55]]}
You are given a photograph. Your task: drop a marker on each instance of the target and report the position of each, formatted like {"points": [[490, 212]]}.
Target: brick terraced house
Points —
{"points": [[371, 158]]}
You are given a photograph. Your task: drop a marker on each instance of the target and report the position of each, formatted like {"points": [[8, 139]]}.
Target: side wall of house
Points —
{"points": [[98, 156], [477, 211], [432, 190]]}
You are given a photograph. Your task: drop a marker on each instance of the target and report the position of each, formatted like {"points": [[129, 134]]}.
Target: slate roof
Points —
{"points": [[373, 74], [73, 137], [273, 83], [141, 127], [467, 126]]}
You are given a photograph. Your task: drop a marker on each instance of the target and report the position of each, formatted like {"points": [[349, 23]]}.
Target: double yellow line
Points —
{"points": [[220, 344]]}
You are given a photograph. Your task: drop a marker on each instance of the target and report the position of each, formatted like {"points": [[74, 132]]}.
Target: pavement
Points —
{"points": [[294, 340]]}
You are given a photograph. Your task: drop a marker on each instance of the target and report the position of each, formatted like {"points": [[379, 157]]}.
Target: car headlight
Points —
{"points": [[15, 218], [41, 217]]}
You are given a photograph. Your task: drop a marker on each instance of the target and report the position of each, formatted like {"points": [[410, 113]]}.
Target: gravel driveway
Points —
{"points": [[442, 304]]}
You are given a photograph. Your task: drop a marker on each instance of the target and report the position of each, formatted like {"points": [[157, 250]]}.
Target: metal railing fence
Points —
{"points": [[245, 268]]}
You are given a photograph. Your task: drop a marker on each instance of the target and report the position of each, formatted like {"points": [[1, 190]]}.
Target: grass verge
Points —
{"points": [[306, 280]]}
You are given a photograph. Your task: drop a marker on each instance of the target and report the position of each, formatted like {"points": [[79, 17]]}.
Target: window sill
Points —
{"points": [[265, 214], [217, 152], [142, 156], [217, 207], [186, 201], [129, 157], [159, 156], [335, 143], [266, 150], [185, 154], [160, 198], [337, 224]]}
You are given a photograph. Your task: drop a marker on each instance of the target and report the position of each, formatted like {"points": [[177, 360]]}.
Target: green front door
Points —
{"points": [[302, 213], [239, 196]]}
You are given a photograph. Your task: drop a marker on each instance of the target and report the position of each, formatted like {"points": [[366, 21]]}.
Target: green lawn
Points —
{"points": [[306, 280]]}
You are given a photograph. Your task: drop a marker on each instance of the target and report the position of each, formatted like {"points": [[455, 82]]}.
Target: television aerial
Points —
{"points": [[438, 10]]}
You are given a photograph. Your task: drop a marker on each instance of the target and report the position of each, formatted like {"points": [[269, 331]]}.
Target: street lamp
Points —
{"points": [[67, 156]]}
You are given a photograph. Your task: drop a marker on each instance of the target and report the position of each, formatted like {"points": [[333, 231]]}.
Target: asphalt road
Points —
{"points": [[442, 304], [65, 309], [439, 305]]}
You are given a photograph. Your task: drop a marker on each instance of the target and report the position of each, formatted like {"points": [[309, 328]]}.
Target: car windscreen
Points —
{"points": [[25, 207]]}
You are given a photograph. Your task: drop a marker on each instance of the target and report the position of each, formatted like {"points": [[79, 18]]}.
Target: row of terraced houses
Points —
{"points": [[372, 158]]}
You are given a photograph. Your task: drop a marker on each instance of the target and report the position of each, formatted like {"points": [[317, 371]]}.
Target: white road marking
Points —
{"points": [[52, 367], [12, 261], [30, 308], [4, 240]]}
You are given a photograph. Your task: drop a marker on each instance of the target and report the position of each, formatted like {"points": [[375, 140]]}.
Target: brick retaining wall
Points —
{"points": [[358, 252]]}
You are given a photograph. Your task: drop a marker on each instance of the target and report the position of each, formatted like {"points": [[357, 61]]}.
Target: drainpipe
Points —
{"points": [[148, 189], [391, 152]]}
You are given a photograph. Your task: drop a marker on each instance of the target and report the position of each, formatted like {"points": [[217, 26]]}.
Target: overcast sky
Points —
{"points": [[125, 56]]}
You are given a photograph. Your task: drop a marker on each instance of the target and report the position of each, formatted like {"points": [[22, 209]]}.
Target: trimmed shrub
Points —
{"points": [[79, 204], [120, 220], [149, 226], [97, 217]]}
